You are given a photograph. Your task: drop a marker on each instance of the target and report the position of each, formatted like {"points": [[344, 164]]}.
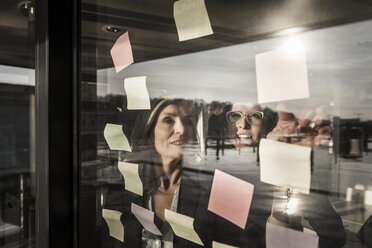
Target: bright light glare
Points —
{"points": [[291, 205], [292, 45], [290, 31]]}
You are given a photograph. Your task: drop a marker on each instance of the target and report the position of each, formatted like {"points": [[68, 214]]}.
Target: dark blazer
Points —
{"points": [[193, 201]]}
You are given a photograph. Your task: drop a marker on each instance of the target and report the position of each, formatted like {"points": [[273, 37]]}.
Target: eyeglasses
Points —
{"points": [[253, 118]]}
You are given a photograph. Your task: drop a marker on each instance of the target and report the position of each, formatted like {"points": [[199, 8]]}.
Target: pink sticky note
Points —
{"points": [[146, 218], [121, 53], [230, 198]]}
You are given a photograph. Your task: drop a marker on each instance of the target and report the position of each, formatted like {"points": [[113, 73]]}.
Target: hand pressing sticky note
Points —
{"points": [[146, 218], [183, 226], [137, 95], [285, 165], [115, 137], [220, 245], [282, 237], [121, 52], [191, 19], [132, 180], [112, 219], [230, 198], [281, 76]]}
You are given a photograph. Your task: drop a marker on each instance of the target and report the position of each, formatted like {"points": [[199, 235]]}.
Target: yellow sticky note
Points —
{"points": [[112, 219], [192, 20], [183, 226], [137, 95], [132, 180], [220, 245], [285, 165], [281, 76], [115, 138]]}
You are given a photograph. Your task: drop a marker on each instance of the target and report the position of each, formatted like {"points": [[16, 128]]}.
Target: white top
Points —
{"points": [[150, 240]]}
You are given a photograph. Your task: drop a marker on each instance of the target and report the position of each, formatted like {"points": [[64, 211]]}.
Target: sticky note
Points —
{"points": [[230, 198], [132, 180], [282, 237], [137, 95], [183, 226], [121, 52], [281, 76], [112, 219], [285, 165], [192, 20], [115, 138], [220, 245], [146, 218]]}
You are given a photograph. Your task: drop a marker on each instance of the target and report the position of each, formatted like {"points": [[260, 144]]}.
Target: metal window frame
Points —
{"points": [[56, 150]]}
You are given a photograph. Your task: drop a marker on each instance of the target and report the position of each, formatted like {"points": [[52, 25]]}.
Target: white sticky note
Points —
{"points": [[115, 137], [146, 218], [112, 219], [220, 245], [192, 20], [137, 95], [183, 226], [285, 165], [282, 237], [132, 180], [281, 76]]}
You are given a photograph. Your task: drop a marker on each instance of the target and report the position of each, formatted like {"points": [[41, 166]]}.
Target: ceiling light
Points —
{"points": [[112, 29]]}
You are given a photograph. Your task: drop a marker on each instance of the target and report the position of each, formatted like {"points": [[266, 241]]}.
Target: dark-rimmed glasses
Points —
{"points": [[253, 118]]}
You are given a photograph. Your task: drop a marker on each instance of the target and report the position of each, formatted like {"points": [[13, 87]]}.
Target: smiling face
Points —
{"points": [[172, 130], [246, 134]]}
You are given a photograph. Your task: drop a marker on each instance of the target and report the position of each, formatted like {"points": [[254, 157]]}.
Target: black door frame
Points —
{"points": [[57, 77]]}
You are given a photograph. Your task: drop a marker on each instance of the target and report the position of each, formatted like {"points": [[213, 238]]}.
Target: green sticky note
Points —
{"points": [[115, 138]]}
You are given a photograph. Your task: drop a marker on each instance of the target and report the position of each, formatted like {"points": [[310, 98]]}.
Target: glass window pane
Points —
{"points": [[253, 135], [17, 125]]}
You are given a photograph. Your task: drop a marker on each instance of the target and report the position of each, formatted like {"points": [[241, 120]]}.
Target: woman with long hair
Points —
{"points": [[159, 147]]}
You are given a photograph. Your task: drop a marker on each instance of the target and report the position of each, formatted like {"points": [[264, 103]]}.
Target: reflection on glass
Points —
{"points": [[205, 114], [17, 125]]}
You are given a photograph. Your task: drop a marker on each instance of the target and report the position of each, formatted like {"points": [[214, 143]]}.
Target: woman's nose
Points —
{"points": [[179, 127], [243, 124]]}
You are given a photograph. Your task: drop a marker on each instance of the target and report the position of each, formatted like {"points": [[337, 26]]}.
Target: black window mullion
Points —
{"points": [[56, 80]]}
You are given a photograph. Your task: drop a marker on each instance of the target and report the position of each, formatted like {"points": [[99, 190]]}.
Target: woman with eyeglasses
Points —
{"points": [[250, 123]]}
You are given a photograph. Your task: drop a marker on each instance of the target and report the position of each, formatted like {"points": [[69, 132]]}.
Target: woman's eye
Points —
{"points": [[168, 120], [257, 116]]}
